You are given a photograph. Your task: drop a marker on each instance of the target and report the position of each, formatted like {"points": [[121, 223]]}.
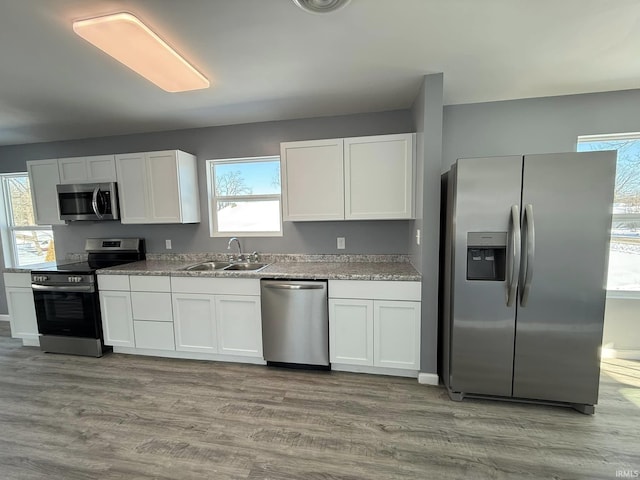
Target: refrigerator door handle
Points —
{"points": [[530, 246], [513, 256]]}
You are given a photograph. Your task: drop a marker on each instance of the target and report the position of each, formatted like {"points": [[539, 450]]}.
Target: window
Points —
{"points": [[244, 197], [624, 254], [24, 242]]}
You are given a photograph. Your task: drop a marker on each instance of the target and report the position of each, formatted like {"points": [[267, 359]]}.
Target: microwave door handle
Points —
{"points": [[94, 203]]}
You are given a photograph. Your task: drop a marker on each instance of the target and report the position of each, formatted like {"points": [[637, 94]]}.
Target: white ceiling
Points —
{"points": [[269, 60]]}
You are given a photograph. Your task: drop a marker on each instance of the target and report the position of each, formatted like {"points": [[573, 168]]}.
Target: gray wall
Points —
{"points": [[427, 113], [384, 237], [537, 125]]}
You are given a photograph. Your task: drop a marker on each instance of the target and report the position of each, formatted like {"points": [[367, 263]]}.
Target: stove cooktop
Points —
{"points": [[78, 267]]}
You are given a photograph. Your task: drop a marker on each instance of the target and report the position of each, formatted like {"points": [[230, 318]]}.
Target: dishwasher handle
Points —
{"points": [[295, 286]]}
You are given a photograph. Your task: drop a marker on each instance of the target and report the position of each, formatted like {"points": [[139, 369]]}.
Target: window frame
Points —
{"points": [[213, 198], [615, 217], [8, 229]]}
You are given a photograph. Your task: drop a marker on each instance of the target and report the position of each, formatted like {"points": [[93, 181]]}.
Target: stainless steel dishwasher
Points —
{"points": [[295, 323]]}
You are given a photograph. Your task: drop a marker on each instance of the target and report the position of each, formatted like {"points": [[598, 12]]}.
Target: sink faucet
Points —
{"points": [[231, 240]]}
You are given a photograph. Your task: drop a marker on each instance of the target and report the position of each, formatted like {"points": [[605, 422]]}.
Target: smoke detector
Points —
{"points": [[320, 6]]}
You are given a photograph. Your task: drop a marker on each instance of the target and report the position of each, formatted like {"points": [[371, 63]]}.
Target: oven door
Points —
{"points": [[72, 311]]}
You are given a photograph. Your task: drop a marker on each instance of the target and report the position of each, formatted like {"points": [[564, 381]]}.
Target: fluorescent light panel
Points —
{"points": [[128, 40]]}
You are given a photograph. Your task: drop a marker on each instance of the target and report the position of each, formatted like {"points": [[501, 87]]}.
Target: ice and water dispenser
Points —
{"points": [[486, 253]]}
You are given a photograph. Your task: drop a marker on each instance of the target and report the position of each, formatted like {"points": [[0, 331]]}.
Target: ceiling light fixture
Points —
{"points": [[124, 37], [321, 6]]}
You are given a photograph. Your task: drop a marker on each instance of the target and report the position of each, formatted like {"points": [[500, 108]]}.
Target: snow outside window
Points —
{"points": [[624, 253]]}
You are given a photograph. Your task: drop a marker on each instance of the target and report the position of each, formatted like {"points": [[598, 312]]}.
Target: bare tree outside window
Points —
{"points": [[231, 184]]}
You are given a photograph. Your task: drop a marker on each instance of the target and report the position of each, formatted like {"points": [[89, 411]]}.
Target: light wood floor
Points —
{"points": [[128, 417]]}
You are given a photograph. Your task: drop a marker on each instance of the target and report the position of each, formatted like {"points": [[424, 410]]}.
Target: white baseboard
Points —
{"points": [[395, 372], [428, 378], [189, 355], [627, 354], [31, 342], [4, 318]]}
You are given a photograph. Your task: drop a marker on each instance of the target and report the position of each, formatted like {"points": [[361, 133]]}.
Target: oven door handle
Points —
{"points": [[94, 203], [63, 288]]}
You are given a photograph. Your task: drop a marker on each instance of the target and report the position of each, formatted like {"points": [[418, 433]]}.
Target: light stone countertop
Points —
{"points": [[281, 266], [323, 270]]}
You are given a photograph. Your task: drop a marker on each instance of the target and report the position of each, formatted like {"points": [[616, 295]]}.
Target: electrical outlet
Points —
{"points": [[167, 244], [418, 236], [341, 243]]}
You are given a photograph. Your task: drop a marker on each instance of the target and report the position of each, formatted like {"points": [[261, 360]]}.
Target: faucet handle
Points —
{"points": [[254, 257]]}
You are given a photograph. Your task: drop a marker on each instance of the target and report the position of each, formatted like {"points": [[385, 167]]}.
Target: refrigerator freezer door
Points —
{"points": [[559, 331], [480, 324]]}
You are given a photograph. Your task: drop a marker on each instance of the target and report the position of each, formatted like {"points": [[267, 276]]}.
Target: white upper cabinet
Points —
{"points": [[378, 177], [313, 180], [95, 169], [360, 178], [43, 178], [158, 187]]}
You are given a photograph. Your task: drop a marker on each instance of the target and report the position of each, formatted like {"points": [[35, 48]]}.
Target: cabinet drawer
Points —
{"points": [[146, 283], [151, 306], [113, 282], [17, 280], [378, 290], [222, 286], [154, 335]]}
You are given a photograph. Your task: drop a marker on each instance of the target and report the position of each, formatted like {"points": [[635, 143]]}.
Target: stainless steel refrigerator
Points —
{"points": [[524, 276]]}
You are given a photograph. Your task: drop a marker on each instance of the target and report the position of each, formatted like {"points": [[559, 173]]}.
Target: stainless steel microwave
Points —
{"points": [[88, 201]]}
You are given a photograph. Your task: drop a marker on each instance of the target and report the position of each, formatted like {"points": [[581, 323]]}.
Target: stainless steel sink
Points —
{"points": [[207, 266], [253, 267], [214, 265]]}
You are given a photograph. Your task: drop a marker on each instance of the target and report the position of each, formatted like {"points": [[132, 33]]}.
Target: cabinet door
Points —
{"points": [[101, 168], [239, 325], [154, 335], [72, 170], [351, 331], [194, 323], [132, 187], [397, 334], [117, 320], [22, 313], [379, 173], [43, 177], [151, 306], [164, 195], [313, 180]]}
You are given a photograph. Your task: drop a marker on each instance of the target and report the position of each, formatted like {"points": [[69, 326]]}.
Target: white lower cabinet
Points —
{"points": [[225, 321], [351, 331], [239, 325], [152, 319], [194, 322], [396, 334], [154, 335], [378, 325], [22, 312], [136, 311], [117, 319]]}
